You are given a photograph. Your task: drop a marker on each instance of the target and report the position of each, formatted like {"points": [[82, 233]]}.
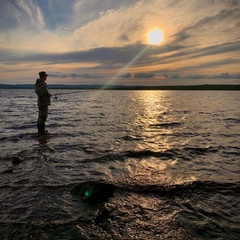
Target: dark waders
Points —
{"points": [[42, 117]]}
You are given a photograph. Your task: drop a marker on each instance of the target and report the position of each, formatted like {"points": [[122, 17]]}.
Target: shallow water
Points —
{"points": [[156, 164]]}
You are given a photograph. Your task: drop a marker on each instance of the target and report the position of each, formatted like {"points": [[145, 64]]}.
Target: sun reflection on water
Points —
{"points": [[154, 110], [155, 124], [154, 171]]}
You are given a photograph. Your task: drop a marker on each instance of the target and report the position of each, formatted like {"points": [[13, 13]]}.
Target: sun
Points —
{"points": [[155, 36]]}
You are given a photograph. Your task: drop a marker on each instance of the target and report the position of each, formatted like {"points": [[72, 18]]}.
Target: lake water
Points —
{"points": [[121, 165]]}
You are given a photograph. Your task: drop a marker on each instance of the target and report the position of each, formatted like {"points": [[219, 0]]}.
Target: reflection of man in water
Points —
{"points": [[44, 100]]}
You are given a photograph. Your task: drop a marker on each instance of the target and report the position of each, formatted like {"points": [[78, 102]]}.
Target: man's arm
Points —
{"points": [[42, 91]]}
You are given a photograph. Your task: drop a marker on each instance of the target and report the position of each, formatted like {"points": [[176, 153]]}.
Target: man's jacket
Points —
{"points": [[41, 90]]}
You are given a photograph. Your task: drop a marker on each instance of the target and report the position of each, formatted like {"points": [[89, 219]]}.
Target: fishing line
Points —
{"points": [[55, 96]]}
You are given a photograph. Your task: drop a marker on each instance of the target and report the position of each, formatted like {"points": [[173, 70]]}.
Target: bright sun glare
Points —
{"points": [[155, 36]]}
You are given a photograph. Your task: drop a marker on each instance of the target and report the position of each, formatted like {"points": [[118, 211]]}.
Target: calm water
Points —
{"points": [[121, 165]]}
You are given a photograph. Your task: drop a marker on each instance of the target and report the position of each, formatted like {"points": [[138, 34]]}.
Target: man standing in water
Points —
{"points": [[44, 100]]}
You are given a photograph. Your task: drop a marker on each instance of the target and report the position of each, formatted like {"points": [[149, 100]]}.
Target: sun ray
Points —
{"points": [[129, 64]]}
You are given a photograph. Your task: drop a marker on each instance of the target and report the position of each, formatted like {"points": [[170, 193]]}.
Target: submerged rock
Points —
{"points": [[10, 170], [16, 160]]}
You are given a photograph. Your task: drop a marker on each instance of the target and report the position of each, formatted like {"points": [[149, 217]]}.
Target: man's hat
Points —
{"points": [[41, 74]]}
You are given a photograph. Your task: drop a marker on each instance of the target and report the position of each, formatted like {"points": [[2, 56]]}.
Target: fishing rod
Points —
{"points": [[65, 93]]}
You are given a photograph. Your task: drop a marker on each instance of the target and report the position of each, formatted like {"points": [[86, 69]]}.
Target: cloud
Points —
{"points": [[225, 76], [234, 2], [220, 55], [23, 14], [105, 38], [73, 75], [144, 75], [175, 76], [220, 49], [79, 26], [204, 76], [104, 55], [212, 34], [89, 11], [57, 14], [125, 75]]}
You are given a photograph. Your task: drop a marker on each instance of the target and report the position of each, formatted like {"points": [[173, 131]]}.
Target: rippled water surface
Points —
{"points": [[121, 165]]}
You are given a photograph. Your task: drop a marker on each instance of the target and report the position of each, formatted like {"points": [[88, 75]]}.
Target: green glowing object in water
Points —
{"points": [[86, 193]]}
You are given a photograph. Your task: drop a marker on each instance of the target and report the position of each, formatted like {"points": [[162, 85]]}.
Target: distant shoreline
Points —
{"points": [[209, 87]]}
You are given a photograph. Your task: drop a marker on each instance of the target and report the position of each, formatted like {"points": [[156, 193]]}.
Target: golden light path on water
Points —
{"points": [[154, 170]]}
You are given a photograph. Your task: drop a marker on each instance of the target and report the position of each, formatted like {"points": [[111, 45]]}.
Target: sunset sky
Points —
{"points": [[106, 41]]}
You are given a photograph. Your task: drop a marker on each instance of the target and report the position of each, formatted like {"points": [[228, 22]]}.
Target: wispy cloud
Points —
{"points": [[21, 14]]}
